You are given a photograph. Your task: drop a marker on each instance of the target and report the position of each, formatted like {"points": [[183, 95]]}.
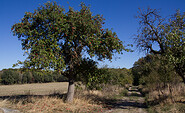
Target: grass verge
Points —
{"points": [[170, 99]]}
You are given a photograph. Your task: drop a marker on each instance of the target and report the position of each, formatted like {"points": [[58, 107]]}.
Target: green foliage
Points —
{"points": [[58, 40], [57, 77], [10, 77], [119, 76], [153, 69], [167, 34], [141, 68], [124, 93], [27, 77], [30, 76], [55, 39], [175, 40], [94, 78], [38, 77], [89, 74], [48, 78]]}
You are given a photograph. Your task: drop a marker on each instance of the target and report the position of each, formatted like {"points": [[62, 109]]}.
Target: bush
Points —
{"points": [[48, 77], [154, 69], [17, 77], [95, 79], [38, 77], [119, 77], [10, 77], [27, 77], [88, 73], [57, 77], [124, 92]]}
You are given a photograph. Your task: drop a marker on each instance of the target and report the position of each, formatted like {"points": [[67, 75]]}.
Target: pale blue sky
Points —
{"points": [[119, 15]]}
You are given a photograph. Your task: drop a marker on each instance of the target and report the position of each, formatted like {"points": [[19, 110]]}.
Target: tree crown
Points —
{"points": [[53, 38]]}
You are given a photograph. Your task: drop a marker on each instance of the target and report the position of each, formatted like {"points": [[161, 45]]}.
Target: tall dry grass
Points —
{"points": [[168, 98], [171, 93], [84, 102], [47, 104]]}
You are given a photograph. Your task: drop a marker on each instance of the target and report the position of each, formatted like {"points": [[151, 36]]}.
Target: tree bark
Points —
{"points": [[181, 72], [183, 78], [70, 93], [181, 75]]}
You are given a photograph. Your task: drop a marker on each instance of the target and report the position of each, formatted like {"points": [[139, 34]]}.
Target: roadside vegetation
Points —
{"points": [[164, 91], [161, 73]]}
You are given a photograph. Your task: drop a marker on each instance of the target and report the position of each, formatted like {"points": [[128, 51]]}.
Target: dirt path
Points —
{"points": [[133, 103]]}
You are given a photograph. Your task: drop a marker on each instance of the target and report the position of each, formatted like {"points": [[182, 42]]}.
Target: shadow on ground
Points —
{"points": [[27, 98], [124, 104], [108, 103], [119, 103]]}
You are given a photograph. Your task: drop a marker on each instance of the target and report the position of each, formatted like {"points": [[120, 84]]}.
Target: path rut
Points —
{"points": [[133, 103]]}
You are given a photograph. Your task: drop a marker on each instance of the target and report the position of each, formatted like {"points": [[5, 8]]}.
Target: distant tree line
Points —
{"points": [[16, 76], [94, 77]]}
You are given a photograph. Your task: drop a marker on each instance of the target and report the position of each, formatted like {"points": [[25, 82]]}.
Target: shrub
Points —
{"points": [[17, 77], [48, 77], [89, 74], [10, 77], [124, 92], [27, 77], [119, 77], [95, 79], [57, 77], [38, 77]]}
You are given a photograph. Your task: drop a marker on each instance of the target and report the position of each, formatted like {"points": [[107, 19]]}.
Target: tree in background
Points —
{"points": [[141, 68], [119, 77], [27, 77], [55, 39], [10, 77], [154, 70], [167, 34]]}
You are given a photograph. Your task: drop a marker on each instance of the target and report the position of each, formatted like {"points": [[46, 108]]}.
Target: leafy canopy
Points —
{"points": [[167, 34], [153, 69], [53, 38]]}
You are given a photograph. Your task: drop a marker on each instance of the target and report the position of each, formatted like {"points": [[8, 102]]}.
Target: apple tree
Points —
{"points": [[55, 39]]}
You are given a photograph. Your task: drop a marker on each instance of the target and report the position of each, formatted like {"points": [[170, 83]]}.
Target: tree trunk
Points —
{"points": [[182, 76], [183, 79], [181, 73], [70, 93]]}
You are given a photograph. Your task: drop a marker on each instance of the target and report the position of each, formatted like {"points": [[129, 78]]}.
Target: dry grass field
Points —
{"points": [[24, 99], [34, 89]]}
